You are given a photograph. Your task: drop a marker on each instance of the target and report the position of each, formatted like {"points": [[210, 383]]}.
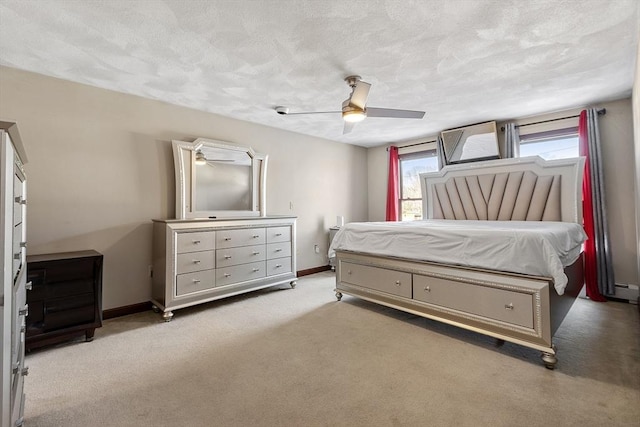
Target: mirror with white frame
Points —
{"points": [[471, 143], [216, 180]]}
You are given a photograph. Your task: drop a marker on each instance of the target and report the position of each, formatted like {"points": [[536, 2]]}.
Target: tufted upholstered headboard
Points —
{"points": [[523, 189]]}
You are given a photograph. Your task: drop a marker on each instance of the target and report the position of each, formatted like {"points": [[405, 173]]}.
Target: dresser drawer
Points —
{"points": [[241, 255], [240, 273], [499, 304], [195, 261], [196, 241], [240, 237], [193, 282], [278, 234], [278, 250], [380, 279], [278, 266]]}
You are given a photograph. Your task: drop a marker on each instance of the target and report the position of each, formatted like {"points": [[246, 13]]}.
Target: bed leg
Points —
{"points": [[338, 295], [549, 360]]}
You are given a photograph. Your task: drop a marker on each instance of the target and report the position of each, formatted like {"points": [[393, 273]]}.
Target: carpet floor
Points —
{"points": [[297, 357]]}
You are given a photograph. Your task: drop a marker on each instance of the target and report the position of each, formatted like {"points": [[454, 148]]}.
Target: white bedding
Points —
{"points": [[539, 248]]}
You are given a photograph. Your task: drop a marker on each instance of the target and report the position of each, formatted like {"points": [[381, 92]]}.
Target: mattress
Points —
{"points": [[538, 248]]}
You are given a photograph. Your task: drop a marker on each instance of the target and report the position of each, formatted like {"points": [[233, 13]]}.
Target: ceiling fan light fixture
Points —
{"points": [[200, 158], [354, 116]]}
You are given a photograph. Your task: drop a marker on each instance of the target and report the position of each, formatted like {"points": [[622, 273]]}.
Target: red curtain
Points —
{"points": [[392, 185], [590, 262]]}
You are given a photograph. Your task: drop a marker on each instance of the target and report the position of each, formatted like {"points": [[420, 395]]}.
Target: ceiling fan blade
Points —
{"points": [[360, 94], [348, 127], [397, 114], [311, 112]]}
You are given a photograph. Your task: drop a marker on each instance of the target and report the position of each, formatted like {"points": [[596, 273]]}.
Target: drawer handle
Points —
{"points": [[278, 265], [227, 239], [256, 253], [227, 275], [28, 286], [398, 282], [278, 234], [509, 306], [428, 288], [196, 242], [227, 257], [256, 269], [24, 311], [349, 272], [196, 261], [196, 280], [278, 250], [255, 236]]}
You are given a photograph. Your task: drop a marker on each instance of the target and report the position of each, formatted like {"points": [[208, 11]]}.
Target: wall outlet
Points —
{"points": [[316, 248]]}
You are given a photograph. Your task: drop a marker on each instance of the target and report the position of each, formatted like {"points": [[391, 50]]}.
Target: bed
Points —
{"points": [[498, 251]]}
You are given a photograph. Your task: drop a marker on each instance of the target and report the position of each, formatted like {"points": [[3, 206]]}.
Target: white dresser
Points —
{"points": [[13, 299], [201, 260]]}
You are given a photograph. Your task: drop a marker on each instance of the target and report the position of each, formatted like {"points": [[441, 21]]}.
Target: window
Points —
{"points": [[555, 144], [411, 166]]}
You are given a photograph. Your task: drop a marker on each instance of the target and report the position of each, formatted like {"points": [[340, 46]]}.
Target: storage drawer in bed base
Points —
{"points": [[530, 327]]}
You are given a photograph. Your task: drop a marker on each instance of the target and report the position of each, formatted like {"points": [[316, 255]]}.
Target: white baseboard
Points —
{"points": [[627, 292]]}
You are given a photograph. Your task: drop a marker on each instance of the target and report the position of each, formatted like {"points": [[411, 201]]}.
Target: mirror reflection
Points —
{"points": [[471, 143], [218, 180]]}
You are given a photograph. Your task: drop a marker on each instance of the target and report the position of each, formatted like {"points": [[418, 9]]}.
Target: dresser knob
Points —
{"points": [[349, 272], [196, 261], [509, 306], [196, 242], [24, 311], [227, 275], [398, 282], [227, 239], [427, 288]]}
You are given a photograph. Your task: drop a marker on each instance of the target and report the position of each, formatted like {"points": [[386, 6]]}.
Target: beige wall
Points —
{"points": [[100, 168], [616, 133]]}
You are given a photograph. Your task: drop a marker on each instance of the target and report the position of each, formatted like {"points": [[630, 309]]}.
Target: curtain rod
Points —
{"points": [[600, 112], [417, 143]]}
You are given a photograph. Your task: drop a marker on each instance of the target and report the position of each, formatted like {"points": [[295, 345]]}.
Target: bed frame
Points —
{"points": [[522, 309]]}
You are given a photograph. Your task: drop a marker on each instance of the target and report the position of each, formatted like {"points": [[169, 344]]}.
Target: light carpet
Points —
{"points": [[297, 357]]}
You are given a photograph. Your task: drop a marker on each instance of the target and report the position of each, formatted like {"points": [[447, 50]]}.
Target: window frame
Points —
{"points": [[427, 152]]}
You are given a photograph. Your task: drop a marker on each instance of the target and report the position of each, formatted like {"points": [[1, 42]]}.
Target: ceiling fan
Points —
{"points": [[354, 108]]}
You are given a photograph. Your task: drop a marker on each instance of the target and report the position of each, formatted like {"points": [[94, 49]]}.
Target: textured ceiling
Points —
{"points": [[461, 61]]}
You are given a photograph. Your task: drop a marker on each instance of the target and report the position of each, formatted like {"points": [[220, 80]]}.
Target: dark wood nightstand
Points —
{"points": [[66, 297]]}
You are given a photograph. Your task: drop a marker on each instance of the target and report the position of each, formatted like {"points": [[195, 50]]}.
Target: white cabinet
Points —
{"points": [[196, 261], [13, 301]]}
